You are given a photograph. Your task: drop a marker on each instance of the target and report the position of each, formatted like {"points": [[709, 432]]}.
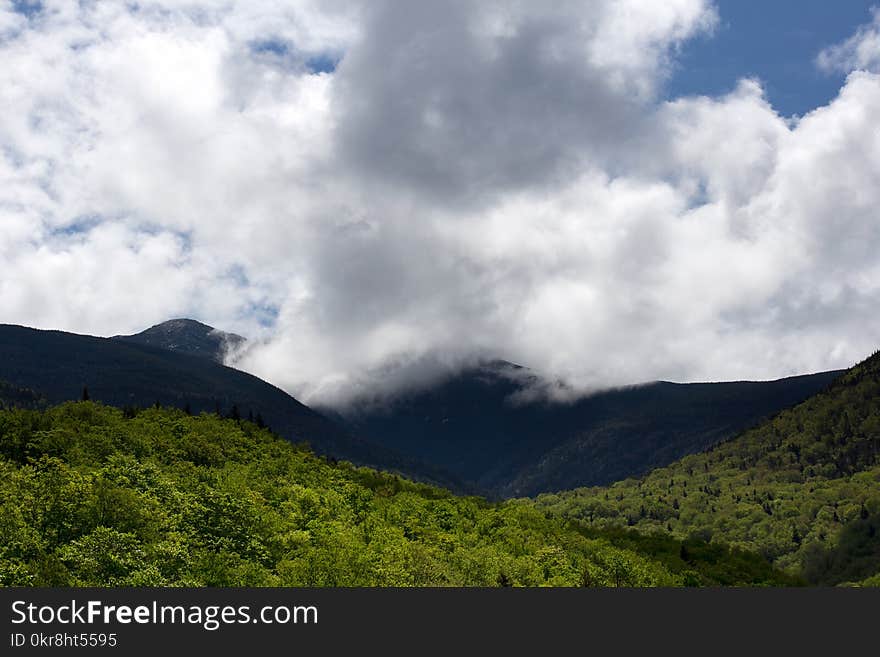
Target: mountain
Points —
{"points": [[17, 397], [802, 488], [124, 373], [481, 425], [187, 336], [476, 431], [93, 496]]}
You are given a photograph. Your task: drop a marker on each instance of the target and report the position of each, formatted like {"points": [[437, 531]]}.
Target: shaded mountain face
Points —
{"points": [[58, 366], [473, 426], [17, 397], [187, 336]]}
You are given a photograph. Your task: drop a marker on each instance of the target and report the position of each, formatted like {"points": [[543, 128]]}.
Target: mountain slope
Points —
{"points": [[803, 488], [645, 428], [16, 397], [472, 425], [90, 496], [121, 373], [187, 336]]}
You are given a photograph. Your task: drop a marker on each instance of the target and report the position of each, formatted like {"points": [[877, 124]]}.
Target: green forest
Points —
{"points": [[802, 489], [94, 495]]}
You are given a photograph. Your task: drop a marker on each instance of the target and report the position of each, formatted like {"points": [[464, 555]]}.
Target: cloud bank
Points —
{"points": [[371, 188]]}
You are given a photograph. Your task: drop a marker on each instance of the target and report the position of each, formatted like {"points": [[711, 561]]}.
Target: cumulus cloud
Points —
{"points": [[456, 101], [378, 192]]}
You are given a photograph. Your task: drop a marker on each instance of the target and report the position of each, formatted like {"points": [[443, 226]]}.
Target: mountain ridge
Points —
{"points": [[488, 427], [482, 429], [61, 366]]}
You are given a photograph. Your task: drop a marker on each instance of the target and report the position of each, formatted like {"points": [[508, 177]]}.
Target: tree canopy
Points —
{"points": [[92, 495]]}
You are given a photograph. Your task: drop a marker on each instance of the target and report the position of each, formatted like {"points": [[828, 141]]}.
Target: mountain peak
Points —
{"points": [[181, 324], [188, 336]]}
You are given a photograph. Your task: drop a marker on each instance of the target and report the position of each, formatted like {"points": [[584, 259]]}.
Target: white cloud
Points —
{"points": [[859, 52], [486, 179]]}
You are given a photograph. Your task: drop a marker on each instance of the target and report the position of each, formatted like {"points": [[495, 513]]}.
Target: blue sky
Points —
{"points": [[776, 41]]}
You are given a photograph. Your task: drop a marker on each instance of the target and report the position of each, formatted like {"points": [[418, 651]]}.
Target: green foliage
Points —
{"points": [[854, 557], [697, 562], [93, 496], [802, 489]]}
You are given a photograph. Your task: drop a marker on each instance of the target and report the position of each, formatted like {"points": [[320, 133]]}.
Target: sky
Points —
{"points": [[775, 41], [376, 193]]}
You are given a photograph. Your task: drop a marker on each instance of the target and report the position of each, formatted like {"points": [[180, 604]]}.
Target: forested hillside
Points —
{"points": [[92, 495], [803, 488]]}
